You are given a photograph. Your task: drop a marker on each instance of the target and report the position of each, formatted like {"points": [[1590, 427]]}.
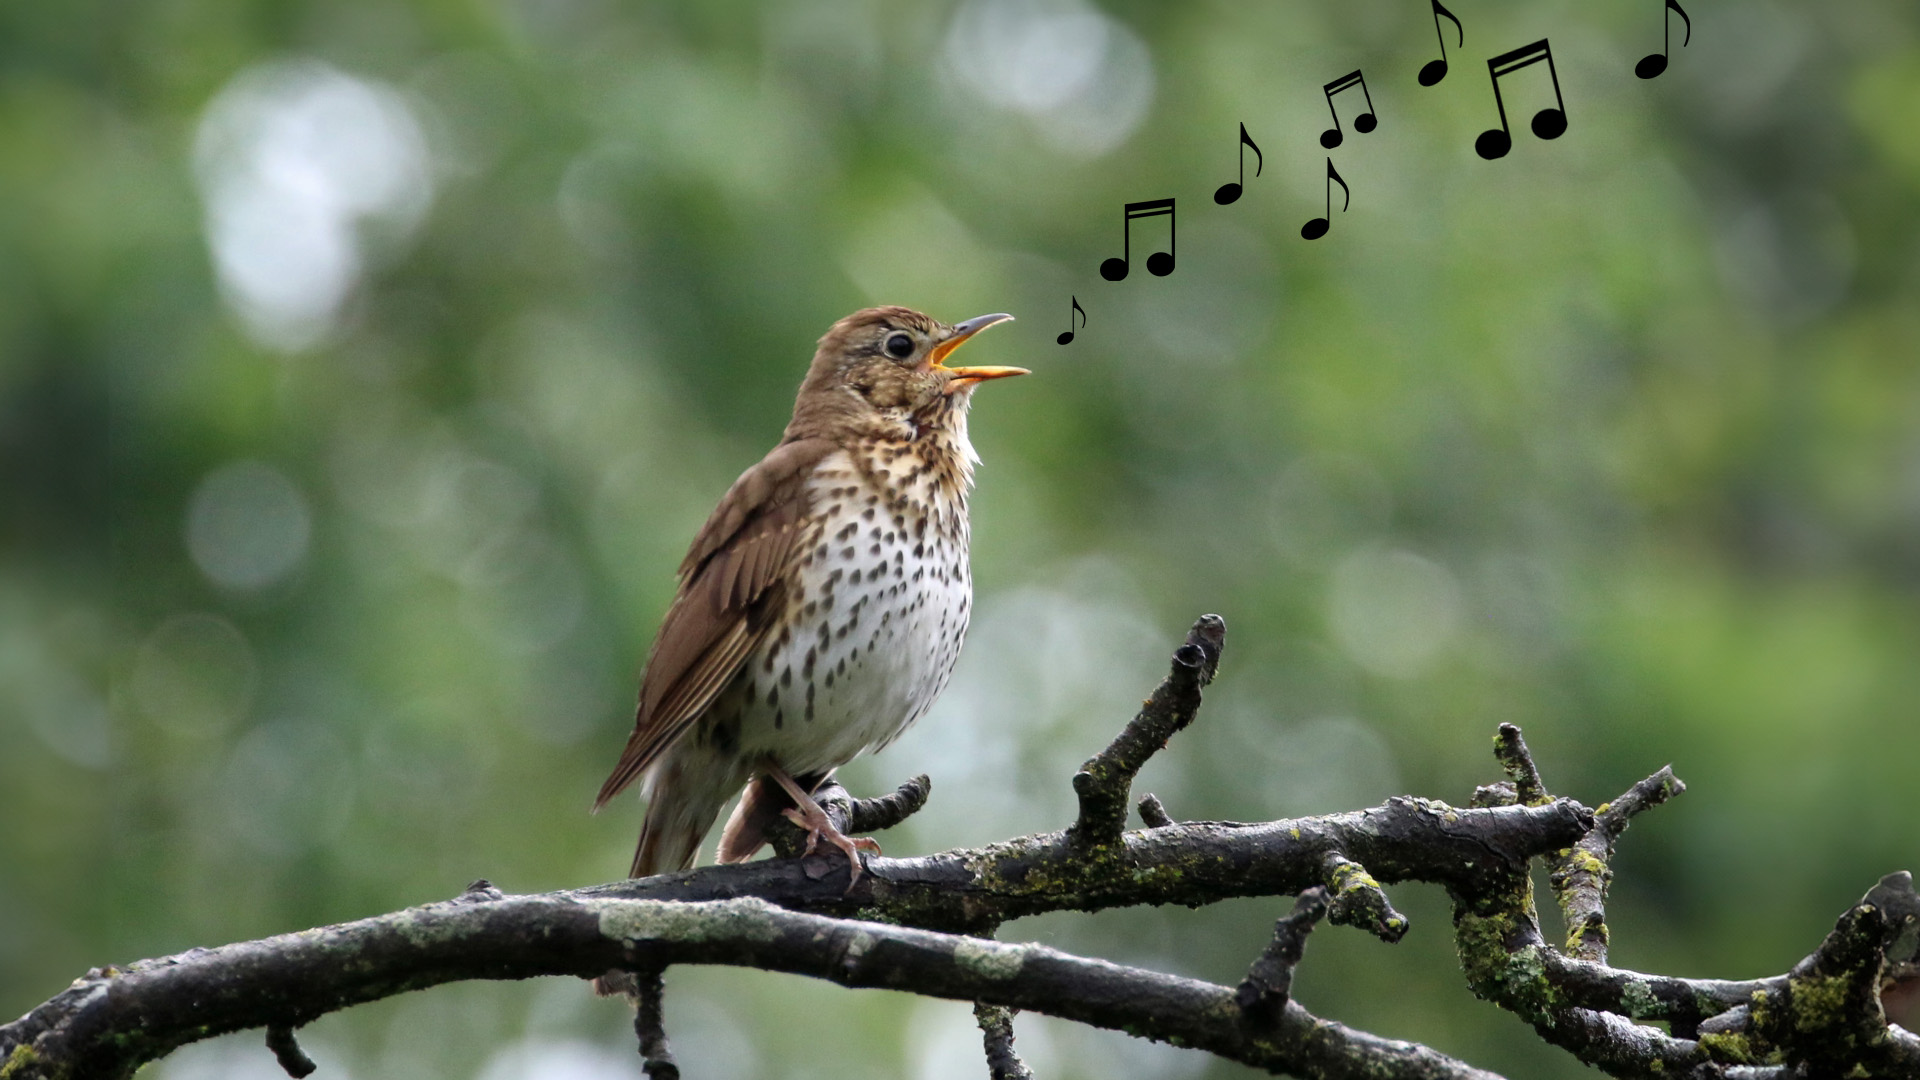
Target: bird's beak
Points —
{"points": [[966, 376]]}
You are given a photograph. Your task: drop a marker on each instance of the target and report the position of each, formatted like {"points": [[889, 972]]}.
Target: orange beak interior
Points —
{"points": [[961, 333]]}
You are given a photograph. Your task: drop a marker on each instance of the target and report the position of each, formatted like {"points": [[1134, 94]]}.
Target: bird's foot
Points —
{"points": [[820, 827], [808, 815]]}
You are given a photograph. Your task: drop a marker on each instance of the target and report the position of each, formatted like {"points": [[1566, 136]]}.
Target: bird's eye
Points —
{"points": [[899, 346]]}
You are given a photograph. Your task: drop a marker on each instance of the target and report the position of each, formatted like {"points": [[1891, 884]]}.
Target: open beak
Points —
{"points": [[966, 376]]}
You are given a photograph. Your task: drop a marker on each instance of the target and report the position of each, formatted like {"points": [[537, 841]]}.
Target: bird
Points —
{"points": [[821, 608]]}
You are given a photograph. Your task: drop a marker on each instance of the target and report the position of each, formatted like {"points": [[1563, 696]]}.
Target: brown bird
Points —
{"points": [[821, 607]]}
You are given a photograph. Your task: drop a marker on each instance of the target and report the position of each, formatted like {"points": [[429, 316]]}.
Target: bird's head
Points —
{"points": [[883, 371]]}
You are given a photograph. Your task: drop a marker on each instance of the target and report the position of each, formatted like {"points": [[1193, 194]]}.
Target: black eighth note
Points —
{"points": [[1435, 70], [1067, 338], [1363, 123], [1160, 263], [1548, 123], [1652, 64], [1229, 192], [1317, 228]]}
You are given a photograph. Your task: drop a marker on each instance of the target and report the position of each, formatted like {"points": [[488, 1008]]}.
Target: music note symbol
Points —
{"points": [[1363, 123], [1230, 192], [1068, 336], [1435, 70], [1160, 263], [1317, 228], [1652, 64], [1547, 123]]}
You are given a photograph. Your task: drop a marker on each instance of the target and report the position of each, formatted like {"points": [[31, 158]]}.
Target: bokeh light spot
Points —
{"points": [[561, 1059], [194, 675], [1082, 78], [1393, 611], [292, 159], [247, 525], [289, 786]]}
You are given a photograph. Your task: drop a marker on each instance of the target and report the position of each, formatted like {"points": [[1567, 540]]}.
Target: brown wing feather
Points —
{"points": [[726, 602]]}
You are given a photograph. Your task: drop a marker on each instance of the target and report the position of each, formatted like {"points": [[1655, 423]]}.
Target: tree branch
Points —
{"points": [[1193, 863], [650, 1026], [107, 1025], [851, 816], [1582, 874], [1104, 782], [1823, 1018], [1358, 900], [924, 924], [1263, 995], [286, 1050], [1152, 814], [996, 1036], [1512, 753]]}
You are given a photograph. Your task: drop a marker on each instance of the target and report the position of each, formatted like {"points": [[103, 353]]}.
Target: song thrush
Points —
{"points": [[821, 607]]}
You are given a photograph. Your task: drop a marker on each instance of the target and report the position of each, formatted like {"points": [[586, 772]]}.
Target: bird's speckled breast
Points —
{"points": [[877, 614]]}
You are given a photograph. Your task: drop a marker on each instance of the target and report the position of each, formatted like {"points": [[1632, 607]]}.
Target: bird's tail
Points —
{"points": [[680, 810]]}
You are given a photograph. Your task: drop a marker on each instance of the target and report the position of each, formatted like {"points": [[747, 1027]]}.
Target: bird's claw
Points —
{"points": [[819, 827]]}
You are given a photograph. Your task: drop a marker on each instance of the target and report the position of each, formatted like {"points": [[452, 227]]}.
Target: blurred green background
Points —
{"points": [[365, 369]]}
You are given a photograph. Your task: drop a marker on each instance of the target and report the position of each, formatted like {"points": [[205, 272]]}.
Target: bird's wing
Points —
{"points": [[729, 595]]}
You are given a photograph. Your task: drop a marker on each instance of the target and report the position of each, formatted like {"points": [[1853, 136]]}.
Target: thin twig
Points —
{"points": [[1356, 899], [886, 811], [1152, 813], [479, 892], [1263, 995], [1583, 873], [1514, 756], [996, 1035], [1103, 783], [649, 1024], [286, 1050], [1499, 793]]}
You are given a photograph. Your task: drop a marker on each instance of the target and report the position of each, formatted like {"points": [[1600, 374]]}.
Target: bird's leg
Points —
{"points": [[809, 816]]}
